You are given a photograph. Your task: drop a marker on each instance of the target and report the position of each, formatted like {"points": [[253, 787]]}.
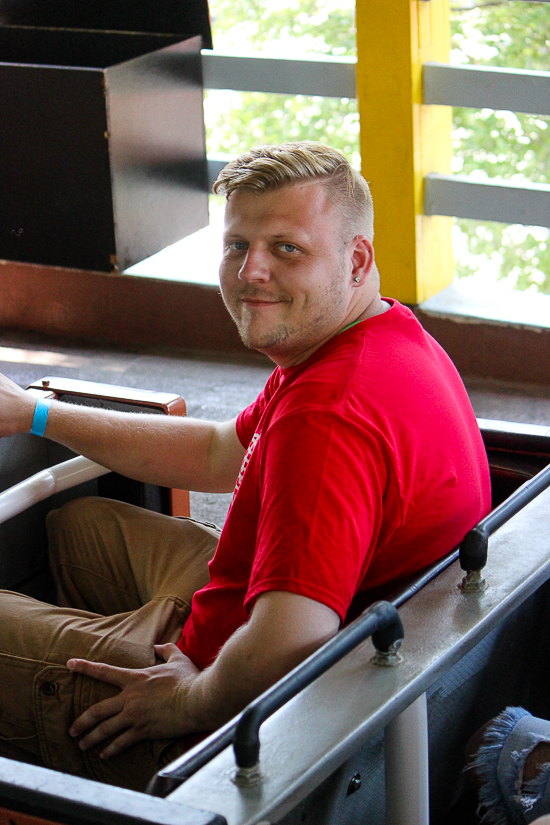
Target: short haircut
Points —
{"points": [[272, 167]]}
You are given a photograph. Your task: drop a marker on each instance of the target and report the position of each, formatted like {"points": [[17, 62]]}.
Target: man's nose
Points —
{"points": [[255, 266]]}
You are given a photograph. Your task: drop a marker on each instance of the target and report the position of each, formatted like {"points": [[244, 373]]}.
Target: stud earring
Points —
{"points": [[357, 280]]}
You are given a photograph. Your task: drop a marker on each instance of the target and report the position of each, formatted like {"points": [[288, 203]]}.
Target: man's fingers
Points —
{"points": [[109, 727], [105, 673], [168, 651], [125, 740], [97, 713]]}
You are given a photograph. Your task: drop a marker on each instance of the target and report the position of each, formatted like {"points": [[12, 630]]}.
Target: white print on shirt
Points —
{"points": [[246, 461]]}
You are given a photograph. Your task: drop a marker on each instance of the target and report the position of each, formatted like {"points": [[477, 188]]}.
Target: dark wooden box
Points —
{"points": [[102, 151]]}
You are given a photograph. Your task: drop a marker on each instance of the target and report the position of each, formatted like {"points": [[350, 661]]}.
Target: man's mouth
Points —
{"points": [[262, 300]]}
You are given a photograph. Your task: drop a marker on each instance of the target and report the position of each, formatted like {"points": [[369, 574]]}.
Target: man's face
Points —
{"points": [[284, 277]]}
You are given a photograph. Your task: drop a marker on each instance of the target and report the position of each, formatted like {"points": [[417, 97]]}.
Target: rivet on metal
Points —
{"points": [[354, 783]]}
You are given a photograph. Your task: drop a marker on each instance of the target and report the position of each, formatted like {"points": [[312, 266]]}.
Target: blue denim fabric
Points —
{"points": [[499, 763]]}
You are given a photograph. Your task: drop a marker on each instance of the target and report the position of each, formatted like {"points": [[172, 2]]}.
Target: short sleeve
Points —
{"points": [[248, 419]]}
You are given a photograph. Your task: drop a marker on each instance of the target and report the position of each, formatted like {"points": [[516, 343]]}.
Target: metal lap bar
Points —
{"points": [[473, 548], [381, 621], [46, 483]]}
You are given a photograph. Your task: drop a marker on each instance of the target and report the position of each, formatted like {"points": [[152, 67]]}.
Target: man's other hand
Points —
{"points": [[152, 703], [175, 698], [16, 408]]}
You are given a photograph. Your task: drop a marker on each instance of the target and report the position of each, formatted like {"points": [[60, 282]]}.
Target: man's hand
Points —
{"points": [[16, 408], [175, 698], [152, 703]]}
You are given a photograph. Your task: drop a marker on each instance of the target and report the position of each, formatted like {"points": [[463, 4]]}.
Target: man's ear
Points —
{"points": [[362, 260]]}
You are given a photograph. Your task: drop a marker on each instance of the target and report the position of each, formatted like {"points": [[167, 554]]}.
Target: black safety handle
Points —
{"points": [[473, 548], [380, 620]]}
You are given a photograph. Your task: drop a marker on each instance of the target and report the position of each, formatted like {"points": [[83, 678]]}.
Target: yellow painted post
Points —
{"points": [[402, 140]]}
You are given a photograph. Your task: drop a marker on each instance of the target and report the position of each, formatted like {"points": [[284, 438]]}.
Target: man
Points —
{"points": [[360, 463]]}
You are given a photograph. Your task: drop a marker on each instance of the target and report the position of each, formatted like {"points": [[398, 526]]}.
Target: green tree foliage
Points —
{"points": [[502, 144], [236, 121]]}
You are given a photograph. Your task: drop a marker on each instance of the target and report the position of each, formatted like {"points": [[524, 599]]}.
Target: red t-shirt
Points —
{"points": [[364, 464]]}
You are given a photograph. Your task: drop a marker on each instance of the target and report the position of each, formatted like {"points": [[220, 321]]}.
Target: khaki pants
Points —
{"points": [[125, 578]]}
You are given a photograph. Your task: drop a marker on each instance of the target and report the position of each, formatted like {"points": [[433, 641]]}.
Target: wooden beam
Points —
{"points": [[402, 140]]}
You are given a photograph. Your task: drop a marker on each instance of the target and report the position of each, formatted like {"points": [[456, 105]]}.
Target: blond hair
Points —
{"points": [[272, 167]]}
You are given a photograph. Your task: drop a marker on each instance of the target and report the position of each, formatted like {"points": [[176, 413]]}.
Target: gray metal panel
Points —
{"points": [[313, 734], [482, 87], [507, 202], [328, 77], [59, 797]]}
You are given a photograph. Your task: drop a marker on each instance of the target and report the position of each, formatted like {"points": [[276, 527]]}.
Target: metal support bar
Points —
{"points": [[380, 620], [503, 201], [406, 766], [480, 87], [325, 77], [402, 141]]}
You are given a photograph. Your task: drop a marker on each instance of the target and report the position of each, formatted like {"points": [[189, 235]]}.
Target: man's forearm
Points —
{"points": [[172, 451], [284, 630]]}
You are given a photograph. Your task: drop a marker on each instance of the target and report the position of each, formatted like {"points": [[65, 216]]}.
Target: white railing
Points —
{"points": [[319, 76], [444, 85], [44, 484]]}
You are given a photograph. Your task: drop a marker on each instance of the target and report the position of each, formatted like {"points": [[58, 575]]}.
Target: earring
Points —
{"points": [[357, 280]]}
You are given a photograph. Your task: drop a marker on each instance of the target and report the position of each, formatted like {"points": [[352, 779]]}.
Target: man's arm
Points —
{"points": [[173, 699], [172, 451]]}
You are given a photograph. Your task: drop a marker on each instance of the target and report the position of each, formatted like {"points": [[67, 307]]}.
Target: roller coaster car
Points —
{"points": [[344, 719]]}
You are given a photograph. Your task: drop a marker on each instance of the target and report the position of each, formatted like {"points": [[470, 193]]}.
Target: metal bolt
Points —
{"points": [[247, 777], [354, 783], [390, 657], [473, 582]]}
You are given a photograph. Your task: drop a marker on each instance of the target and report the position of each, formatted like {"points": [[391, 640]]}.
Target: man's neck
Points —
{"points": [[376, 307]]}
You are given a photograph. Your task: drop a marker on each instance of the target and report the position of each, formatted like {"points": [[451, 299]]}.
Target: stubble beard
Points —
{"points": [[271, 338], [277, 339]]}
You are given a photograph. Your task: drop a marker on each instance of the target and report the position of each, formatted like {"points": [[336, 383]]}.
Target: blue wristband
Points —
{"points": [[40, 417]]}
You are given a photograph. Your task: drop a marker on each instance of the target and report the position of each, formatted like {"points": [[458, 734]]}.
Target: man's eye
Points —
{"points": [[236, 246], [288, 247]]}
